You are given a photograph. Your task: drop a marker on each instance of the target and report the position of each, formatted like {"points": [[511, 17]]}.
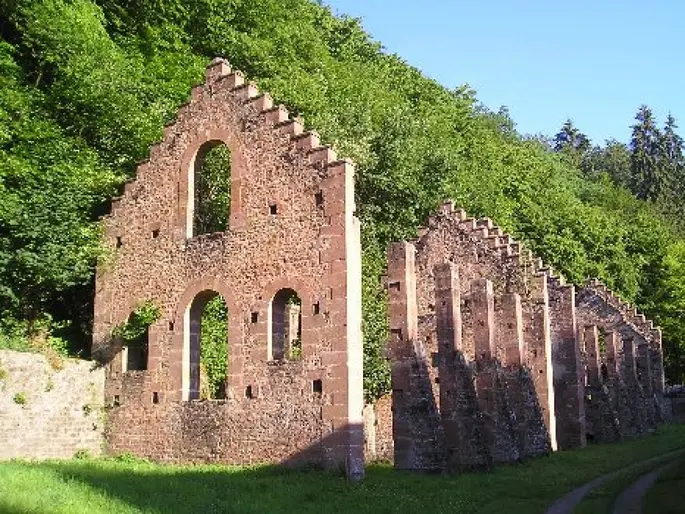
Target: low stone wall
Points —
{"points": [[49, 410], [223, 431]]}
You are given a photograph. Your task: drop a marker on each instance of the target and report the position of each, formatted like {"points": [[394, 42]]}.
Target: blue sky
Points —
{"points": [[595, 61]]}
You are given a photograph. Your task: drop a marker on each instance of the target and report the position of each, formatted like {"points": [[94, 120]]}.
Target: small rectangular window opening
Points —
{"points": [[317, 308], [254, 317], [171, 326], [116, 401], [155, 233], [273, 209], [317, 386], [318, 197], [155, 397], [248, 393], [394, 286], [119, 242]]}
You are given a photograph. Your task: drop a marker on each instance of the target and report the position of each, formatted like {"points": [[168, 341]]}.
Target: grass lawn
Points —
{"points": [[116, 486], [667, 496], [601, 500]]}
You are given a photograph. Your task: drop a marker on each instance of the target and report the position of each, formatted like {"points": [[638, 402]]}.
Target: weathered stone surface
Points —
{"points": [[291, 225], [47, 412], [489, 342], [568, 372], [463, 424], [603, 423]]}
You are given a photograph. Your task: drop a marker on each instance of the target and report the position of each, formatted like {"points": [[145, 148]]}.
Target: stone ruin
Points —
{"points": [[292, 228], [494, 358]]}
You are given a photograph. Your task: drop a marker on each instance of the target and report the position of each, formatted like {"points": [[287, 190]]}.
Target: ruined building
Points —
{"points": [[494, 358], [291, 229]]}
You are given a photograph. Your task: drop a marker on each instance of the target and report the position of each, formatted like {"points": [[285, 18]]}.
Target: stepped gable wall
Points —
{"points": [[495, 358], [291, 226], [481, 355], [639, 337]]}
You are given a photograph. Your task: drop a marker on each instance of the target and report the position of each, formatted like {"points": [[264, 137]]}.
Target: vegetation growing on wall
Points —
{"points": [[88, 84], [214, 347], [138, 322]]}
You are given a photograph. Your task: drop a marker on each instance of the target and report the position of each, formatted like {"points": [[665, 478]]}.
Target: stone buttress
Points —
{"points": [[495, 358]]}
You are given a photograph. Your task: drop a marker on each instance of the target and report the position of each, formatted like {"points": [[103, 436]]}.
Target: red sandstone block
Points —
{"points": [[234, 79], [485, 222], [197, 92], [276, 115], [263, 102], [335, 204], [333, 230], [217, 68], [291, 128], [308, 141], [246, 91], [323, 155]]}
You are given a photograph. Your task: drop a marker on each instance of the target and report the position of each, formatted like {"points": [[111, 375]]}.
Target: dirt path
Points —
{"points": [[630, 500], [570, 501]]}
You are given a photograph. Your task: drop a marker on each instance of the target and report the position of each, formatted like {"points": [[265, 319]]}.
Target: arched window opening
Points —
{"points": [[286, 326], [136, 351], [210, 194], [206, 348]]}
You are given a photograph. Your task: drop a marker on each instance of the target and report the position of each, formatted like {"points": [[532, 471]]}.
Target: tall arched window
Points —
{"points": [[285, 334], [210, 192], [205, 359]]}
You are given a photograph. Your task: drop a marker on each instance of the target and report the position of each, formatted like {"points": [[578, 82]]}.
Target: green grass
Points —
{"points": [[114, 486], [667, 496], [601, 500]]}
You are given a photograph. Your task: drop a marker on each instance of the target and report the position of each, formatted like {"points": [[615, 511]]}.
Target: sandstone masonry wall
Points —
{"points": [[291, 225], [47, 412], [470, 347], [495, 358]]}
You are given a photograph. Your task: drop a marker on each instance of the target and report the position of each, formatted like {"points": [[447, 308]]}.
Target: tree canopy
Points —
{"points": [[88, 84]]}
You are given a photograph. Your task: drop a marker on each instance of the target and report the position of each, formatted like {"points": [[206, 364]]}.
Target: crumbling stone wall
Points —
{"points": [[49, 409], [469, 321], [495, 358], [291, 225], [633, 358], [378, 437]]}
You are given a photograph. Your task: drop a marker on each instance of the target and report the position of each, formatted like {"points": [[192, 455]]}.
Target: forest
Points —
{"points": [[87, 85]]}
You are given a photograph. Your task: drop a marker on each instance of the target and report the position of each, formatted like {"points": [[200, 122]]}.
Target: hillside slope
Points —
{"points": [[87, 86]]}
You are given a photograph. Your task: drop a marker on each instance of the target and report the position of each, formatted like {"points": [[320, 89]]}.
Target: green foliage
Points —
{"points": [[20, 399], [3, 372], [295, 350], [212, 191], [37, 335], [87, 86], [83, 455], [214, 345], [128, 458], [128, 485], [138, 322], [647, 178]]}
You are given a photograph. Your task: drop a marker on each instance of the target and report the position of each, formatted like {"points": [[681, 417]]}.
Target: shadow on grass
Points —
{"points": [[128, 487], [205, 489]]}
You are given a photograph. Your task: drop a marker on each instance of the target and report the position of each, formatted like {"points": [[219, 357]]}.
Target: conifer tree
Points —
{"points": [[672, 167], [571, 142], [646, 177]]}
